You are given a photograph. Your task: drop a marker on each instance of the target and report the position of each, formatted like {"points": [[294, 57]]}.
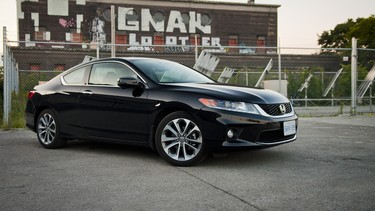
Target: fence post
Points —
{"points": [[279, 58], [196, 48], [113, 32], [371, 110], [6, 84], [247, 77], [354, 76]]}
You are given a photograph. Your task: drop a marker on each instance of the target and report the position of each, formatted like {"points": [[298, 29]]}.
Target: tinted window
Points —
{"points": [[109, 73], [76, 77], [163, 71]]}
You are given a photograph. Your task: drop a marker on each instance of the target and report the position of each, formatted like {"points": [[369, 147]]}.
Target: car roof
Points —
{"points": [[120, 59]]}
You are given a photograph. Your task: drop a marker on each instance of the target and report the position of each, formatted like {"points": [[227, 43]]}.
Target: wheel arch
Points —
{"points": [[40, 107], [162, 113], [39, 110]]}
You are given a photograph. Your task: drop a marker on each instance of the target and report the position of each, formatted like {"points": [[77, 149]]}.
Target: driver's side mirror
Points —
{"points": [[128, 82]]}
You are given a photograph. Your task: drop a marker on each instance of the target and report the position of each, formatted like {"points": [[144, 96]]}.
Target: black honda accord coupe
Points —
{"points": [[161, 104]]}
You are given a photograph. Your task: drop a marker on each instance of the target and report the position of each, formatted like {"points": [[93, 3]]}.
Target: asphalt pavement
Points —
{"points": [[331, 166]]}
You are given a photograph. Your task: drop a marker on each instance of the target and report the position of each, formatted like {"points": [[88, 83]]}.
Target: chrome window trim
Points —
{"points": [[64, 83]]}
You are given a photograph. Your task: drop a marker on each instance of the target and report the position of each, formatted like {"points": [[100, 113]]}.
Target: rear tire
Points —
{"points": [[48, 130], [179, 139]]}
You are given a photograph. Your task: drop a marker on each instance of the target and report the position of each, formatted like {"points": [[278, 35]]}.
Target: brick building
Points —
{"points": [[158, 22], [249, 28]]}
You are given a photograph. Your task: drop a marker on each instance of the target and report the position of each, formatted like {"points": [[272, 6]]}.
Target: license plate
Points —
{"points": [[289, 128]]}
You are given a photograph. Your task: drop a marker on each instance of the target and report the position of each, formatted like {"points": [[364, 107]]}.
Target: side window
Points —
{"points": [[109, 73], [76, 77]]}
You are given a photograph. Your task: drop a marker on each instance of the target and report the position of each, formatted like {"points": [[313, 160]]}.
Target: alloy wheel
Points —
{"points": [[47, 129], [181, 139]]}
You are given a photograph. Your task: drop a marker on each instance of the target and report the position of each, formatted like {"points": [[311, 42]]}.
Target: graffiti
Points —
{"points": [[178, 49], [67, 23], [97, 28]]}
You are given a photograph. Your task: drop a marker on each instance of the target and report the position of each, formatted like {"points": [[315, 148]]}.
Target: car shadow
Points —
{"points": [[230, 159], [111, 149], [248, 158]]}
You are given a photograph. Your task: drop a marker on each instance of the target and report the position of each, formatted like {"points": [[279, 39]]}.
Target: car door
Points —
{"points": [[65, 100], [109, 112]]}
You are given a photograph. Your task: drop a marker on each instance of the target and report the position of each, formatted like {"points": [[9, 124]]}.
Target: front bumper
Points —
{"points": [[249, 130]]}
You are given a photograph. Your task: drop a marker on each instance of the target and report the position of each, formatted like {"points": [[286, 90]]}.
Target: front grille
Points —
{"points": [[274, 109]]}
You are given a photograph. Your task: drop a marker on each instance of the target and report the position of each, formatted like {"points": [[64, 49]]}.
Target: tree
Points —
{"points": [[340, 37], [336, 38], [362, 29]]}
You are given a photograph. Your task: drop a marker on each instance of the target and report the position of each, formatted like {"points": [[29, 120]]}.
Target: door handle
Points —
{"points": [[87, 92]]}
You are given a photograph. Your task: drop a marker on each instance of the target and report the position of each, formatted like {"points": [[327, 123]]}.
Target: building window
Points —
{"points": [[233, 42], [40, 35], [121, 38], [35, 67], [76, 37], [192, 39], [59, 67], [261, 44], [159, 40]]}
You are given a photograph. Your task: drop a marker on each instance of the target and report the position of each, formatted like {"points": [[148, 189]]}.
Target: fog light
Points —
{"points": [[230, 133]]}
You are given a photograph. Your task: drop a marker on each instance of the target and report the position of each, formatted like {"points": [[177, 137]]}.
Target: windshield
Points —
{"points": [[163, 71]]}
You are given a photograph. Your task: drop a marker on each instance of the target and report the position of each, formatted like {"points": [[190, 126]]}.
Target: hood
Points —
{"points": [[234, 93]]}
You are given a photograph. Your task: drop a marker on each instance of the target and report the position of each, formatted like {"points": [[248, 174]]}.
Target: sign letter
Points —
{"points": [[175, 21], [196, 22], [147, 20], [123, 24]]}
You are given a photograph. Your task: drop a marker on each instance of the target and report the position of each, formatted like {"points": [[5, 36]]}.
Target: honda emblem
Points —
{"points": [[282, 108]]}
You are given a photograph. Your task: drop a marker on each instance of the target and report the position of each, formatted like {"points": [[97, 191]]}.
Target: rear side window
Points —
{"points": [[76, 77]]}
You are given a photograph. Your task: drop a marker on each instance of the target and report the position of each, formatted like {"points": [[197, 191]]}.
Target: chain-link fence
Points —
{"points": [[31, 63]]}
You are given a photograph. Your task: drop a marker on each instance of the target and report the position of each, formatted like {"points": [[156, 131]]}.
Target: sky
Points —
{"points": [[299, 21]]}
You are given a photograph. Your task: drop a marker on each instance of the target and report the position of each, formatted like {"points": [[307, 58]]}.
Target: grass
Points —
{"points": [[17, 114]]}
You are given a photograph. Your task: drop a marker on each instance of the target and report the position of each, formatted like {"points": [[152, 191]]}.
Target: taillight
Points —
{"points": [[31, 94]]}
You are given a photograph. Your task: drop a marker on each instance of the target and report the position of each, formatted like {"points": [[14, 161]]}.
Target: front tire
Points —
{"points": [[179, 139], [48, 130]]}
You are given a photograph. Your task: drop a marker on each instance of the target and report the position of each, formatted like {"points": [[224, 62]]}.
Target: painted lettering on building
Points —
{"points": [[187, 24], [175, 21]]}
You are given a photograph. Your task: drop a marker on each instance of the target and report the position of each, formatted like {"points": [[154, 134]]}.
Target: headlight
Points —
{"points": [[229, 105]]}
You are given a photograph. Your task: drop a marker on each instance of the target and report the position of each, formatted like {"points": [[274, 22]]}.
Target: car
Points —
{"points": [[173, 109]]}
